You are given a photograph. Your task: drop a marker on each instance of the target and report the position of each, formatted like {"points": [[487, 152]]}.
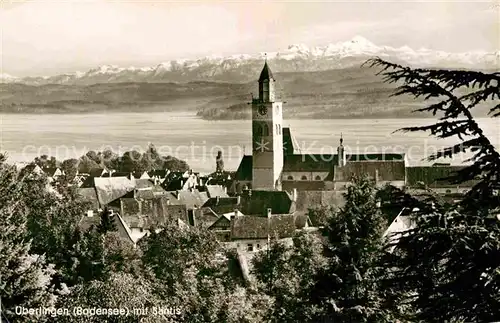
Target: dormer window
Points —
{"points": [[304, 178]]}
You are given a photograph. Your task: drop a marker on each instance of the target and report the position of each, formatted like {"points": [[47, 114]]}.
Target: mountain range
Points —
{"points": [[320, 82], [244, 67]]}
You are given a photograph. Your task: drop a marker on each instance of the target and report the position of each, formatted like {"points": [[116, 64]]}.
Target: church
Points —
{"points": [[276, 163]]}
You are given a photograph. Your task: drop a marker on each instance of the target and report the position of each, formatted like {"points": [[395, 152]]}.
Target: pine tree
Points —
{"points": [[347, 289], [447, 269], [107, 223]]}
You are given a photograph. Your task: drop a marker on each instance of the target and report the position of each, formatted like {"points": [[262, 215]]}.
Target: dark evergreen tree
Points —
{"points": [[107, 222], [347, 289], [447, 269]]}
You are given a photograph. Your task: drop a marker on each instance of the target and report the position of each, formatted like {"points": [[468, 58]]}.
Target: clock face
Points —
{"points": [[262, 109]]}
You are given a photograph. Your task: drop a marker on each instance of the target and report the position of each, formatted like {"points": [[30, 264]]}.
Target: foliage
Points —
{"points": [[446, 268], [319, 216], [25, 277], [121, 291], [456, 119], [347, 289], [288, 274]]}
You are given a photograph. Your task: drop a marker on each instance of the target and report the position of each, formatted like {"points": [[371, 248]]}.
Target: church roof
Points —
{"points": [[385, 163], [266, 73], [309, 162], [435, 176], [387, 170], [290, 145]]}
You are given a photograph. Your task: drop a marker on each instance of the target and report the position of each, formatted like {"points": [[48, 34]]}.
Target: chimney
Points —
{"points": [[201, 182], [235, 213], [156, 181], [178, 195], [238, 200], [217, 200], [294, 195], [225, 189], [269, 212], [376, 176], [182, 183]]}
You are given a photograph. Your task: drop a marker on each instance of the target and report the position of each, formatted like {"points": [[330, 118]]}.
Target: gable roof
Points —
{"points": [[313, 199], [276, 226], [51, 171], [152, 213], [216, 190], [110, 188], [90, 223], [192, 198], [256, 202], [221, 205], [205, 217], [290, 145], [435, 176], [244, 171]]}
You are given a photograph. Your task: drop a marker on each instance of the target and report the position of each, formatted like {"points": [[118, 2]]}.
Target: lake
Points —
{"points": [[183, 135]]}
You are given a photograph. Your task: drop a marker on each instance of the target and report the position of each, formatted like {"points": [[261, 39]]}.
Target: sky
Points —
{"points": [[46, 37]]}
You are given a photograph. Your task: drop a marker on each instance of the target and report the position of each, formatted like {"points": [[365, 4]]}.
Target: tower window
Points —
{"points": [[290, 177], [265, 130], [304, 178], [318, 178]]}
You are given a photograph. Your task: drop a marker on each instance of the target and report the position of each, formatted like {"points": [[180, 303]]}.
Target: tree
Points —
{"points": [[347, 290], [447, 268], [288, 274], [25, 277], [107, 223], [188, 267], [121, 291]]}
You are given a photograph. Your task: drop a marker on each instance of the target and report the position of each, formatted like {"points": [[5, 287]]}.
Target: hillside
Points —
{"points": [[349, 92]]}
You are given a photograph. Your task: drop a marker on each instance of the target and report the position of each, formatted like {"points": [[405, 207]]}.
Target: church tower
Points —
{"points": [[267, 135]]}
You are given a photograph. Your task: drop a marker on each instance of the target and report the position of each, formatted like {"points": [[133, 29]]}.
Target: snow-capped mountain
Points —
{"points": [[244, 67]]}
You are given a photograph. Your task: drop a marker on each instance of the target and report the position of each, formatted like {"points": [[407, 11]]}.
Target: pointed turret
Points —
{"points": [[341, 157], [266, 73], [266, 84]]}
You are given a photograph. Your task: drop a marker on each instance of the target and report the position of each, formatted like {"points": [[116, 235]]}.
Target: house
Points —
{"points": [[91, 221], [109, 189], [216, 191], [222, 226], [436, 177], [402, 223], [53, 172], [257, 202], [144, 215], [221, 205], [180, 181], [249, 234]]}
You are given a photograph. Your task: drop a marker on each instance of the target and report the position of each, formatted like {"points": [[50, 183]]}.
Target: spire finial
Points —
{"points": [[265, 57], [341, 139]]}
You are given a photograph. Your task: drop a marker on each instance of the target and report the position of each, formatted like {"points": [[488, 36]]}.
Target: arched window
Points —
{"points": [[290, 178], [318, 178], [265, 130], [257, 129], [304, 178]]}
